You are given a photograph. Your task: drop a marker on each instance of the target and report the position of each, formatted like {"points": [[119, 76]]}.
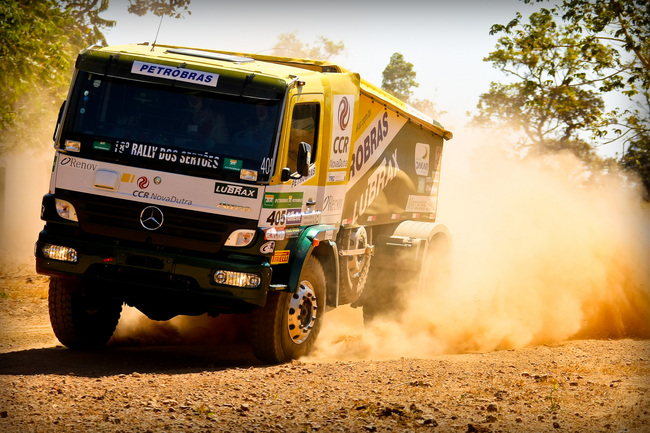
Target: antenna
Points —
{"points": [[158, 31]]}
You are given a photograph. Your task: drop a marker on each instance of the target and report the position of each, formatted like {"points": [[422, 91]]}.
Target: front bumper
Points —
{"points": [[137, 272]]}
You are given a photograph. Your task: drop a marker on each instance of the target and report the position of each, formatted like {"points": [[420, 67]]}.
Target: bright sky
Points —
{"points": [[445, 40]]}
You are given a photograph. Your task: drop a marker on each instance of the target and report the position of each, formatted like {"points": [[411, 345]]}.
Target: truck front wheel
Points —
{"points": [[287, 326], [81, 321]]}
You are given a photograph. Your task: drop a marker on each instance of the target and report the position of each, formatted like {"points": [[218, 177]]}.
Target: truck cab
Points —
{"points": [[191, 181]]}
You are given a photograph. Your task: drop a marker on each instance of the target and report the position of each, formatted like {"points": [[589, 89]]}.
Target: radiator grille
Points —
{"points": [[183, 229]]}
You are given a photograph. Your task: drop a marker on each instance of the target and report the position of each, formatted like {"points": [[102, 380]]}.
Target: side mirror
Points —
{"points": [[304, 159], [303, 164]]}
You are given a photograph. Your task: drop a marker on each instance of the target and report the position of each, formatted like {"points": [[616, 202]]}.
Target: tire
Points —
{"points": [[436, 268], [389, 290], [80, 321], [353, 269], [287, 326]]}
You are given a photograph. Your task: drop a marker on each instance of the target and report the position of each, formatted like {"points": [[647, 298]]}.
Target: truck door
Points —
{"points": [[294, 202]]}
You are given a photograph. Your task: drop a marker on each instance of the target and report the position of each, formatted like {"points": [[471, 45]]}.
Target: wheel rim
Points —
{"points": [[356, 264], [303, 308]]}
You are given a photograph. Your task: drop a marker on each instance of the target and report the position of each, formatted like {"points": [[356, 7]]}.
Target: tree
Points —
{"points": [[39, 40], [637, 160], [160, 8], [288, 45], [557, 72], [626, 25], [399, 77], [606, 48]]}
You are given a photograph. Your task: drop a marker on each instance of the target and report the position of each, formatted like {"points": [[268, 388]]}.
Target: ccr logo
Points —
{"points": [[344, 113], [143, 182]]}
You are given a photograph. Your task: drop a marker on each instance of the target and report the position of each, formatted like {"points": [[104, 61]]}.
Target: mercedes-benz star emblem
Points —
{"points": [[151, 218]]}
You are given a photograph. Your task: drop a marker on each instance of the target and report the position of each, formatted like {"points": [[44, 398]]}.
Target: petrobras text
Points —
{"points": [[174, 73]]}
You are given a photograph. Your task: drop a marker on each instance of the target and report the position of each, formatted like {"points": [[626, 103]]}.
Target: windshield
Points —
{"points": [[170, 128]]}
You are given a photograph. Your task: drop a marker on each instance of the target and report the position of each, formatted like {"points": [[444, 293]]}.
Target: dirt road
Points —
{"points": [[167, 384]]}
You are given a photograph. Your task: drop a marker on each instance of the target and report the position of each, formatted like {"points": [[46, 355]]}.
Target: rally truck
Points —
{"points": [[191, 181]]}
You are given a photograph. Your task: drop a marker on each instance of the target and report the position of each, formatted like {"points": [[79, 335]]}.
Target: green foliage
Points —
{"points": [[399, 77], [288, 45], [36, 42], [561, 62], [626, 25], [637, 160], [399, 80], [160, 8], [39, 41], [556, 72]]}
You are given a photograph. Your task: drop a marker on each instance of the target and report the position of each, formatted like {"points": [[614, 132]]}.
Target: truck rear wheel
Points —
{"points": [[406, 273], [287, 326], [80, 321], [353, 269]]}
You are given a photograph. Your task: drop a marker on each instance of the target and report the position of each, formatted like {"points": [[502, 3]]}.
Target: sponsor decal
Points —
{"points": [[419, 203], [80, 165], [282, 200], [386, 172], [336, 176], [369, 144], [175, 73], [236, 190], [268, 247], [237, 208], [311, 218], [181, 157], [363, 120], [102, 145], [143, 182], [421, 185], [280, 257], [341, 134], [372, 144], [333, 204], [283, 217], [422, 159], [293, 232], [312, 173], [276, 234], [294, 217], [430, 188], [158, 197], [127, 178], [233, 164], [344, 113], [157, 180]]}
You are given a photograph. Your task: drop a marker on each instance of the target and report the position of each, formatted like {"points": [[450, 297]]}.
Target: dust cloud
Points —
{"points": [[26, 175], [543, 251], [136, 329]]}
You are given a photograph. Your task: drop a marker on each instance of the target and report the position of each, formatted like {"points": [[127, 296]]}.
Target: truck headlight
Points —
{"points": [[66, 210], [240, 238], [59, 252], [238, 279]]}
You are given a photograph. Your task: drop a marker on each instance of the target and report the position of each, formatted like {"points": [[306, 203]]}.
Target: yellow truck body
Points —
{"points": [[192, 181]]}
